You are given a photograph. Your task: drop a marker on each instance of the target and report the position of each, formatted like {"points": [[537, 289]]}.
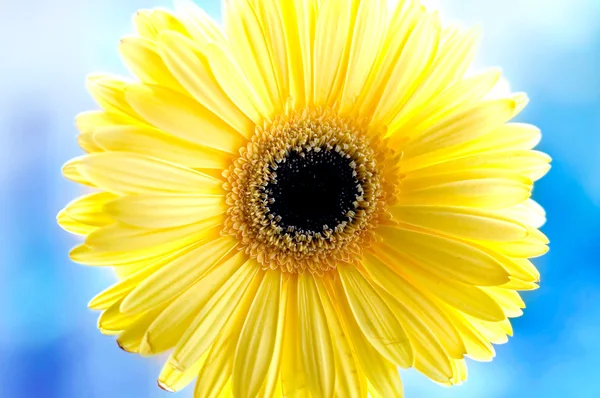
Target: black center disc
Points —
{"points": [[313, 191]]}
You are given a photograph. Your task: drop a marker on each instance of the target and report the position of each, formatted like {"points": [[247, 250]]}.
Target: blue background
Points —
{"points": [[49, 345]]}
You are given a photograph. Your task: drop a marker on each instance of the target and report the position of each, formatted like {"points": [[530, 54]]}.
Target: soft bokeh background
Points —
{"points": [[49, 345]]}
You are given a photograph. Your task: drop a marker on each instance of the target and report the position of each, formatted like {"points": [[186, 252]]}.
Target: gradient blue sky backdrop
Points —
{"points": [[49, 345]]}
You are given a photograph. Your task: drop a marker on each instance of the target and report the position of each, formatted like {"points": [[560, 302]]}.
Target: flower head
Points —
{"points": [[307, 198]]}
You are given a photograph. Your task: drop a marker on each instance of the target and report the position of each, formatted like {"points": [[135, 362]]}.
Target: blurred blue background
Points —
{"points": [[49, 345]]}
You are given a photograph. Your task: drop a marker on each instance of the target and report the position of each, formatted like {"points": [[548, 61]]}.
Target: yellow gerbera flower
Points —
{"points": [[307, 198]]}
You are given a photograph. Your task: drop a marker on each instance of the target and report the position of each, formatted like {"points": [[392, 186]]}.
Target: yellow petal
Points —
{"points": [[143, 60], [315, 341], [152, 142], [120, 289], [210, 321], [463, 222], [269, 14], [172, 379], [299, 24], [130, 174], [256, 346], [456, 99], [532, 164], [348, 377], [509, 300], [248, 45], [387, 276], [454, 57], [165, 211], [430, 357], [115, 320], [401, 24], [130, 339], [446, 257], [364, 42], [178, 275], [109, 93], [293, 376], [511, 136], [272, 387], [490, 189], [382, 374], [478, 347], [529, 212], [168, 328], [183, 117], [231, 78], [534, 245], [191, 67], [88, 122], [71, 171], [375, 318], [461, 127], [330, 44], [143, 24], [88, 209], [199, 25], [414, 63], [123, 238], [73, 226], [163, 20]]}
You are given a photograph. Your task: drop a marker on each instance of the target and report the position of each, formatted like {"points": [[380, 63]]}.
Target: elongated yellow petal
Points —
{"points": [[114, 319], [375, 318], [198, 24], [172, 379], [529, 212], [215, 314], [88, 209], [73, 226], [509, 300], [120, 289], [532, 164], [131, 338], [348, 380], [382, 374], [142, 57], [272, 386], [257, 341], [174, 321], [293, 376], [231, 78], [466, 223], [452, 60], [462, 127], [192, 69], [178, 275], [491, 189], [88, 122], [128, 173], [430, 357], [247, 38], [165, 211], [109, 93], [123, 238], [146, 140], [364, 42], [454, 100], [183, 117], [388, 277], [446, 257], [416, 59], [315, 340], [216, 372], [330, 44]]}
